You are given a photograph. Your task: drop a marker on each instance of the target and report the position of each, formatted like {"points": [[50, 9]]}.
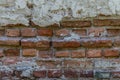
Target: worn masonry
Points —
{"points": [[59, 39]]}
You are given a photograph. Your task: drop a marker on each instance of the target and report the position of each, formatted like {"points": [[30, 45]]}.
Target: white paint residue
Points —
{"points": [[47, 12]]}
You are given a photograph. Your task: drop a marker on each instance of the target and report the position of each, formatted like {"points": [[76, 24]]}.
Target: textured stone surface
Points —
{"points": [[47, 12]]}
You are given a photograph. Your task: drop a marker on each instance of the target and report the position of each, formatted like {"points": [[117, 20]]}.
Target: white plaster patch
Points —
{"points": [[47, 12]]}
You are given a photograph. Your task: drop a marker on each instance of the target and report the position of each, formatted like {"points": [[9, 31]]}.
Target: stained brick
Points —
{"points": [[117, 42], [44, 32], [62, 32], [9, 41], [76, 23], [28, 32], [86, 73], [46, 54], [12, 52], [93, 53], [80, 32], [54, 73], [111, 52], [39, 74], [50, 64], [96, 43], [78, 53], [62, 54], [106, 22], [113, 32], [29, 52], [71, 73], [66, 44], [13, 32], [96, 32]]}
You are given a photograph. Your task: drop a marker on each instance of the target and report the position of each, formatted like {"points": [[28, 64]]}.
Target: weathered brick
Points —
{"points": [[29, 52], [2, 32], [62, 54], [96, 43], [74, 64], [50, 64], [71, 73], [116, 74], [111, 52], [45, 54], [66, 44], [13, 32], [83, 23], [86, 73], [12, 52], [94, 53], [1, 53], [9, 41], [39, 74], [113, 32], [35, 43], [43, 44], [80, 32], [28, 32], [106, 22], [96, 32], [117, 42], [62, 32], [78, 53], [44, 32], [30, 43], [54, 73]]}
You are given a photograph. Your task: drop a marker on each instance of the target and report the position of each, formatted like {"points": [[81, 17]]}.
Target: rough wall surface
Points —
{"points": [[59, 40], [46, 12]]}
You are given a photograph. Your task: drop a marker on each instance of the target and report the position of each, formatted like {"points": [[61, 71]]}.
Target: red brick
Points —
{"points": [[45, 54], [76, 23], [30, 43], [29, 52], [106, 22], [34, 43], [117, 42], [113, 32], [62, 54], [2, 32], [43, 44], [62, 32], [96, 32], [78, 53], [28, 32], [44, 32], [93, 53], [54, 73], [86, 74], [71, 73], [66, 44], [111, 52], [12, 52], [1, 53], [96, 43], [80, 32], [39, 74], [9, 41], [50, 64], [74, 64], [116, 74], [13, 32]]}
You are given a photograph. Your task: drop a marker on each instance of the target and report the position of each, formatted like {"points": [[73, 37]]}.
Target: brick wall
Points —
{"points": [[75, 49]]}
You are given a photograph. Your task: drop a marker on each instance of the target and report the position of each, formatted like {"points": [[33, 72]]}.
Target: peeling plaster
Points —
{"points": [[47, 12]]}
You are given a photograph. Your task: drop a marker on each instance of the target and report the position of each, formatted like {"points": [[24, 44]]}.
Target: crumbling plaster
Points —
{"points": [[47, 12]]}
